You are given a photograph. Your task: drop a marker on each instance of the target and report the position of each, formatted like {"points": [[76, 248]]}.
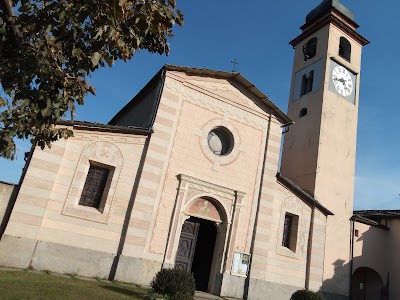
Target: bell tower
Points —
{"points": [[319, 150]]}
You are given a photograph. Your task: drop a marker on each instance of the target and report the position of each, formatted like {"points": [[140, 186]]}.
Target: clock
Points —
{"points": [[342, 81]]}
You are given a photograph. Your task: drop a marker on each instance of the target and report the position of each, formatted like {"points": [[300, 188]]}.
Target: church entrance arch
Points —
{"points": [[196, 249], [200, 241], [367, 284]]}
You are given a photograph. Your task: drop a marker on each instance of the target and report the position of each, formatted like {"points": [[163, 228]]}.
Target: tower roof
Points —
{"points": [[327, 6]]}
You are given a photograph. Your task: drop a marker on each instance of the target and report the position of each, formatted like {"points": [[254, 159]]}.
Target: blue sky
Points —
{"points": [[257, 33]]}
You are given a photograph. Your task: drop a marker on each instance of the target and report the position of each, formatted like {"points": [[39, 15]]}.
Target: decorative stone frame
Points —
{"points": [[101, 153], [203, 139], [226, 201], [292, 206]]}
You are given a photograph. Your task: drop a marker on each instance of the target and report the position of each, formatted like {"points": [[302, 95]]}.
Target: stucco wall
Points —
{"points": [[326, 139], [283, 268], [393, 260], [47, 209], [371, 249]]}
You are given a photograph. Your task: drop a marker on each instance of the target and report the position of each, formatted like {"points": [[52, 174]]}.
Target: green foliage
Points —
{"points": [[175, 284], [49, 48], [306, 295]]}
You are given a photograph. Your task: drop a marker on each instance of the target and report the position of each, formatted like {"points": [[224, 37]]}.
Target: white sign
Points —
{"points": [[240, 265]]}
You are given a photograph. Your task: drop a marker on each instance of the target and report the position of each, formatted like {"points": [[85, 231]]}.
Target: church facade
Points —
{"points": [[187, 175]]}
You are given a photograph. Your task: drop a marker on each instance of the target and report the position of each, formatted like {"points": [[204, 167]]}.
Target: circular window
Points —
{"points": [[220, 141]]}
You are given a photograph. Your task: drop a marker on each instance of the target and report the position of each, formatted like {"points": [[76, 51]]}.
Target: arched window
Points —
{"points": [[310, 49], [303, 112], [307, 83], [344, 48]]}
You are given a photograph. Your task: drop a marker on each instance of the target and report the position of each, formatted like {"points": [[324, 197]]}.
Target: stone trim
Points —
{"points": [[294, 206], [102, 152], [203, 136]]}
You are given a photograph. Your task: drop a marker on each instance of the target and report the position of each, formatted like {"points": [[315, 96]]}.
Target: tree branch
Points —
{"points": [[15, 30]]}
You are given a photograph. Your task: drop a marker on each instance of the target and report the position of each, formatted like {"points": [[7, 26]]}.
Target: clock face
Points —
{"points": [[342, 80]]}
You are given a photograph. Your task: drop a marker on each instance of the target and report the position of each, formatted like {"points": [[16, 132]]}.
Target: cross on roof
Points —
{"points": [[234, 64]]}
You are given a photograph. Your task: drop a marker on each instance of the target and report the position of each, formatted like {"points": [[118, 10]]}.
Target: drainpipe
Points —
{"points": [[352, 227], [309, 248], [228, 242], [129, 209], [14, 194], [174, 216], [247, 280]]}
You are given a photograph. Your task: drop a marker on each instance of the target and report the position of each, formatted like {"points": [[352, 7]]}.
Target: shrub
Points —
{"points": [[175, 284], [306, 295]]}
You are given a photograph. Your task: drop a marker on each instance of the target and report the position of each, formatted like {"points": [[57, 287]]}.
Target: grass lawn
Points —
{"points": [[16, 284]]}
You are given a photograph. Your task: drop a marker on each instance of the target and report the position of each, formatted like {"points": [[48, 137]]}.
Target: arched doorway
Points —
{"points": [[367, 284], [199, 242], [195, 250]]}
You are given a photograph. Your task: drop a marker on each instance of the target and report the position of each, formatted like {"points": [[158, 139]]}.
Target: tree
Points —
{"points": [[49, 48]]}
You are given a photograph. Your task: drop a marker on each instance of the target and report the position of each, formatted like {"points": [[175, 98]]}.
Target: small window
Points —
{"points": [[303, 112], [356, 232], [290, 226], [307, 83], [344, 49], [310, 49], [94, 187]]}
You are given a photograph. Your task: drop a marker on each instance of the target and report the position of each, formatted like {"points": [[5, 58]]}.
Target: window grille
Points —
{"points": [[94, 186], [287, 229]]}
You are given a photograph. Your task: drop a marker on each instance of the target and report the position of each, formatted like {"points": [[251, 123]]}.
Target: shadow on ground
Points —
{"points": [[123, 291]]}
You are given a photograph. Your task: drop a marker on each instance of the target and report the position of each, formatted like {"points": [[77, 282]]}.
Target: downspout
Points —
{"points": [[352, 228], [129, 210], [309, 248], [228, 242], [247, 280], [14, 194], [171, 222]]}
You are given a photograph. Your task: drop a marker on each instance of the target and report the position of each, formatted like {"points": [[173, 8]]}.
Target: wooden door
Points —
{"points": [[187, 245]]}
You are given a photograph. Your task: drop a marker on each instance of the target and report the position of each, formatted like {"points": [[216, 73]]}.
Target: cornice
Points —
{"points": [[330, 18]]}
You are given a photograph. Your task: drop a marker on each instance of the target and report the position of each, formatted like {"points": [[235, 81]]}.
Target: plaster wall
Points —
{"points": [[281, 265], [47, 209], [371, 249], [6, 190], [205, 103], [377, 249], [336, 169], [302, 171], [326, 138], [393, 259]]}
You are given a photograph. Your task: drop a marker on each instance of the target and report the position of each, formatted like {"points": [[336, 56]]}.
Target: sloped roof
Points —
{"points": [[7, 183], [283, 118], [105, 127], [303, 194], [367, 221], [373, 217], [378, 213]]}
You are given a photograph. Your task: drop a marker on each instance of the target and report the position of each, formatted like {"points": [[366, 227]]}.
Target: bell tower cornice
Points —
{"points": [[330, 12]]}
